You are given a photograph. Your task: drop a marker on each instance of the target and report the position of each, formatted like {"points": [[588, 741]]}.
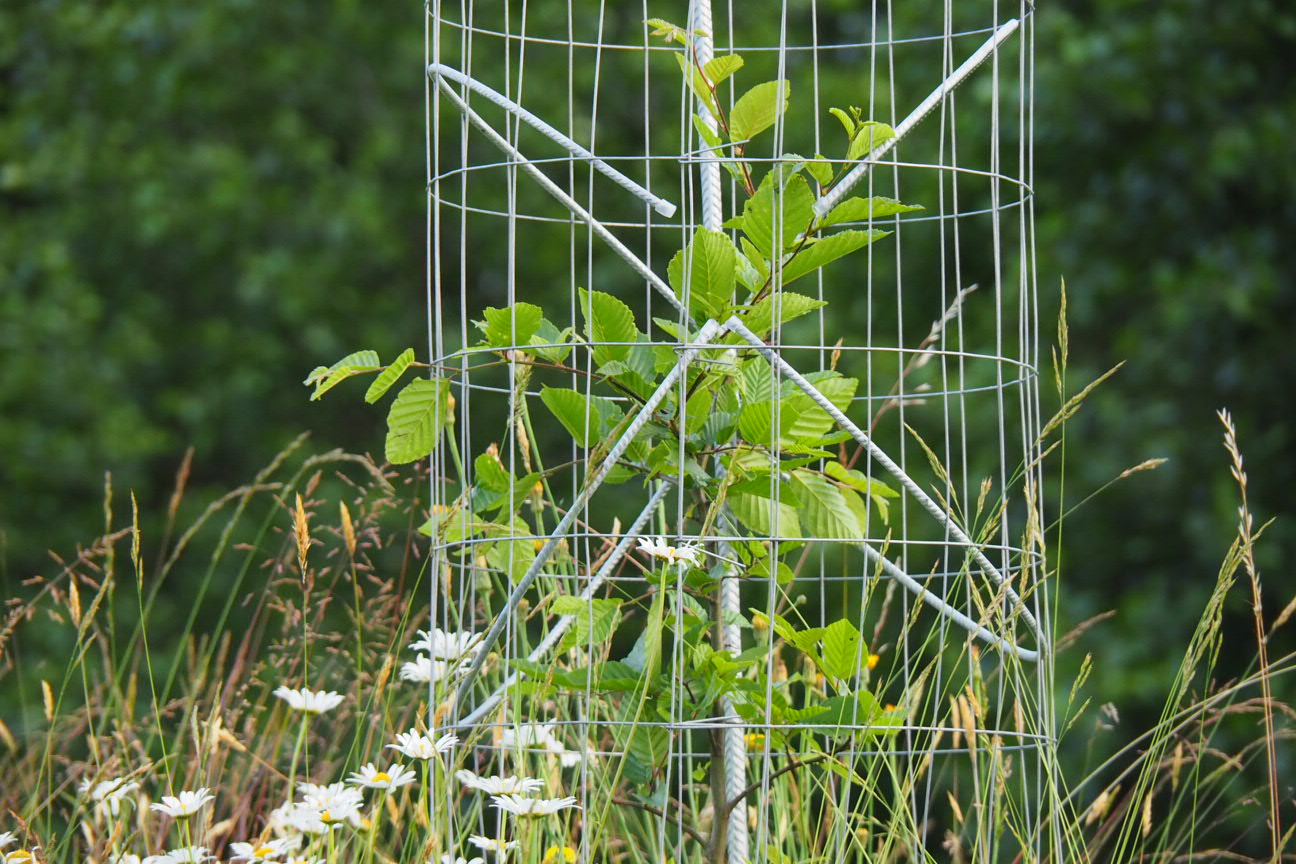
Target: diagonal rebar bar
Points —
{"points": [[659, 204], [735, 324], [710, 330], [565, 622], [831, 198], [622, 251]]}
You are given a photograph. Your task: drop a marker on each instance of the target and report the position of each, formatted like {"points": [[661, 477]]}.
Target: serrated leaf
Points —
{"points": [[857, 713], [859, 480], [511, 326], [789, 208], [759, 318], [844, 653], [547, 341], [821, 169], [756, 512], [702, 273], [823, 511], [756, 421], [515, 553], [593, 621], [586, 419], [757, 109], [863, 209], [608, 320], [389, 376], [489, 473], [868, 136], [713, 141], [696, 82], [719, 68], [847, 123], [417, 416], [813, 422], [326, 378], [826, 250]]}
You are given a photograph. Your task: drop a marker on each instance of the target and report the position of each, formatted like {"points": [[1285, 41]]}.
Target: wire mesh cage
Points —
{"points": [[736, 524]]}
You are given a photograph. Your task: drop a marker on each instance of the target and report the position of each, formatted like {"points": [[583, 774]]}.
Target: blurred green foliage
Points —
{"points": [[202, 202]]}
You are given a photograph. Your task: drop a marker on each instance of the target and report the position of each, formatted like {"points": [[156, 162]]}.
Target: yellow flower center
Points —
{"points": [[263, 851], [325, 817], [18, 855], [566, 854], [382, 777], [873, 660]]}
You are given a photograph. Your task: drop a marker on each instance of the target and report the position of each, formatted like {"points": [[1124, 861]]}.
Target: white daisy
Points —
{"points": [[108, 794], [309, 701], [7, 838], [185, 804], [21, 856], [447, 645], [451, 859], [418, 746], [491, 844], [569, 758], [259, 851], [520, 806], [689, 553], [497, 785], [425, 670], [529, 735], [330, 805], [393, 778], [189, 855]]}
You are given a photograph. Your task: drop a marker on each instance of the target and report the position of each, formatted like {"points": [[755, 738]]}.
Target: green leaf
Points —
{"points": [[861, 711], [512, 326], [844, 653], [826, 250], [856, 504], [698, 407], [417, 416], [868, 135], [756, 110], [859, 480], [389, 376], [325, 378], [847, 123], [719, 68], [593, 621], [823, 511], [546, 341], [702, 273], [792, 203], [607, 319], [812, 421], [586, 419], [863, 209], [696, 82], [515, 553], [712, 139], [754, 511], [820, 169], [760, 316], [756, 421]]}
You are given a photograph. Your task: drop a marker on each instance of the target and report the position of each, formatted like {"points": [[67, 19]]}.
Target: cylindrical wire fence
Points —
{"points": [[741, 488]]}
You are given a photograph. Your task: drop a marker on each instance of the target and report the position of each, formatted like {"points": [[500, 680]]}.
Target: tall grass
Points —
{"points": [[159, 668]]}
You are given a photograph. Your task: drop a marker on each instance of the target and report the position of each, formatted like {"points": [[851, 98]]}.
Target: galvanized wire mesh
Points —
{"points": [[561, 155]]}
